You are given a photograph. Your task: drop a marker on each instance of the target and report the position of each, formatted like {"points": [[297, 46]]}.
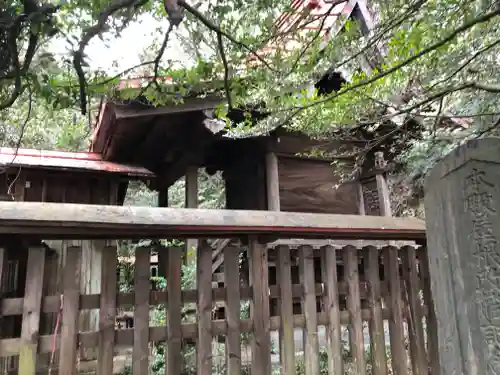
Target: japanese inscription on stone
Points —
{"points": [[478, 194], [370, 196]]}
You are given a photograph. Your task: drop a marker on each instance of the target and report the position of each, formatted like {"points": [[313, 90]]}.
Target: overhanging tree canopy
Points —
{"points": [[430, 60]]}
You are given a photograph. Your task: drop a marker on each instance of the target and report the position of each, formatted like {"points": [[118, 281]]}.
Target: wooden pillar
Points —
{"points": [[162, 254], [361, 199], [163, 197], [272, 182], [384, 199], [3, 266], [191, 201], [462, 205]]}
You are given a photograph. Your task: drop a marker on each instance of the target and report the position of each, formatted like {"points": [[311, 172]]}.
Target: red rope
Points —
{"points": [[54, 335]]}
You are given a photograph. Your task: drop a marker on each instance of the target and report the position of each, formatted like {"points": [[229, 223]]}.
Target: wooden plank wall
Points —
{"points": [[358, 291]]}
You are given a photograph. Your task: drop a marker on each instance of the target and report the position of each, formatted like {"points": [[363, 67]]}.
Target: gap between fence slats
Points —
{"points": [[140, 354], [332, 309]]}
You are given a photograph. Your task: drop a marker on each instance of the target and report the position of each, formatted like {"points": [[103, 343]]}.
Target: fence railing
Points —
{"points": [[361, 310]]}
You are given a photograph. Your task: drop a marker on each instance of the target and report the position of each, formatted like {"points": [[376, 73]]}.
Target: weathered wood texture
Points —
{"points": [[311, 186], [462, 204], [351, 287], [272, 182], [93, 221]]}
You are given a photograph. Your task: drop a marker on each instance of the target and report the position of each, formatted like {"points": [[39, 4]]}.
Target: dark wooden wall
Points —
{"points": [[311, 186], [35, 185], [245, 176]]}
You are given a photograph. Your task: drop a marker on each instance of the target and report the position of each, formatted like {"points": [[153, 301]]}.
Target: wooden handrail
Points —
{"points": [[56, 220]]}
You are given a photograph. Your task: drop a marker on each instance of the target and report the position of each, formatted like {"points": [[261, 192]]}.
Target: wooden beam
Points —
{"points": [[55, 220], [272, 182], [189, 105]]}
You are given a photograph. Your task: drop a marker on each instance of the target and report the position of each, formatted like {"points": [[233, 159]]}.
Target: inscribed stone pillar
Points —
{"points": [[462, 204]]}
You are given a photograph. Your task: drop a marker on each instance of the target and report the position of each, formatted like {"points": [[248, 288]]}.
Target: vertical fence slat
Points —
{"points": [[3, 266], [311, 355], [204, 281], [415, 328], [233, 338], [376, 324], [431, 321], [261, 343], [107, 311], [356, 337], [31, 310], [174, 333], [396, 332], [287, 349], [71, 311], [140, 354], [332, 308]]}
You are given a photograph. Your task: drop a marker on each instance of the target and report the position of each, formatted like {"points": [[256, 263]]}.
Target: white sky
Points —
{"points": [[124, 52]]}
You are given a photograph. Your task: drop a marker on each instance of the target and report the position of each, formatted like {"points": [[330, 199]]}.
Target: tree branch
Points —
{"points": [[88, 34], [227, 84], [218, 30], [482, 19]]}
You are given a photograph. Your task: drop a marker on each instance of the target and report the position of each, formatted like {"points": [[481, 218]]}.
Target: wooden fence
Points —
{"points": [[384, 289]]}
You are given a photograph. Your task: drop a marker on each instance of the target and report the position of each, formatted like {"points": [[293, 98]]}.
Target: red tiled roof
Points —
{"points": [[62, 160]]}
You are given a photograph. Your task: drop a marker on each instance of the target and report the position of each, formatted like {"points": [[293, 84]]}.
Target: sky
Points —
{"points": [[125, 51]]}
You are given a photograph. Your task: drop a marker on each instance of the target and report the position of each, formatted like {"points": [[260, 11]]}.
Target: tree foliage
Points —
{"points": [[430, 60]]}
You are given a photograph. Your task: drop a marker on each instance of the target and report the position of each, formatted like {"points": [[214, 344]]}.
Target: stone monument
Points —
{"points": [[462, 205]]}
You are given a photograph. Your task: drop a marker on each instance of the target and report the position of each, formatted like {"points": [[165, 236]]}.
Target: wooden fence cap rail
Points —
{"points": [[75, 221]]}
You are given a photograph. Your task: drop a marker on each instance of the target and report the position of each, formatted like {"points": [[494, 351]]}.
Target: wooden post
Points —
{"points": [[261, 343], [361, 199], [272, 182], [107, 311], [162, 254], [191, 201], [205, 305], [140, 360], [163, 198], [71, 310], [384, 199], [3, 264], [32, 306], [233, 338]]}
